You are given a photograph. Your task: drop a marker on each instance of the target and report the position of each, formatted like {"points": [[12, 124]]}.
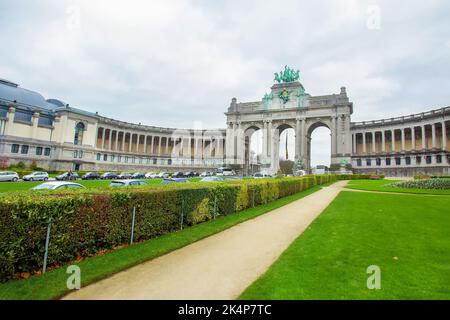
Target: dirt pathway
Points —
{"points": [[220, 266]]}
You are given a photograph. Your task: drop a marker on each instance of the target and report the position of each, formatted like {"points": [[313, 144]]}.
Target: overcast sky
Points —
{"points": [[173, 63]]}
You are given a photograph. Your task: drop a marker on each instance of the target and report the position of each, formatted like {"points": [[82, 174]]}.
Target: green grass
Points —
{"points": [[53, 284], [380, 185], [26, 185], [330, 259]]}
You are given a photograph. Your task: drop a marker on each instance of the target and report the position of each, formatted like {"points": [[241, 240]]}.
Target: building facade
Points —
{"points": [[56, 136]]}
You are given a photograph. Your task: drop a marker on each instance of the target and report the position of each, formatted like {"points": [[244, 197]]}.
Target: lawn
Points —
{"points": [[26, 185], [380, 185], [407, 236], [53, 284]]}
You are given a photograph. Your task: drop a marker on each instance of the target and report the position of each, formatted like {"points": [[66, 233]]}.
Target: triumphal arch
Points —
{"points": [[288, 105]]}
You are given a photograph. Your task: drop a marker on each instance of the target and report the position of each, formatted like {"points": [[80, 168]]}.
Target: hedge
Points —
{"points": [[440, 184], [89, 221]]}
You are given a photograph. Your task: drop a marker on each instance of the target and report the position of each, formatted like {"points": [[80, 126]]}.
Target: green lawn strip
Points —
{"points": [[380, 185], [330, 259], [53, 284]]}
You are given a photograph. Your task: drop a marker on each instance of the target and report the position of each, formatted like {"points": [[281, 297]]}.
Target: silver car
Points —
{"points": [[127, 183], [36, 176], [58, 185], [9, 176]]}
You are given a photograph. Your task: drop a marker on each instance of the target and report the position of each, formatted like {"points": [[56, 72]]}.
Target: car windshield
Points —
{"points": [[43, 186], [117, 184]]}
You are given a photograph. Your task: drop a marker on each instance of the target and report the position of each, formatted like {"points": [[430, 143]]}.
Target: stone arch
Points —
{"points": [[251, 161], [311, 126], [80, 127]]}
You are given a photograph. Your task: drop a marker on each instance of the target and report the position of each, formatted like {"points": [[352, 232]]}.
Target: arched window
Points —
{"points": [[79, 129]]}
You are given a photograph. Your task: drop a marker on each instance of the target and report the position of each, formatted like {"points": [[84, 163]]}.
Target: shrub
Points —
{"points": [[422, 184], [88, 221]]}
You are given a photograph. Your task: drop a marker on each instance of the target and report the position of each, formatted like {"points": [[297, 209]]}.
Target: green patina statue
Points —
{"points": [[301, 97], [266, 99], [288, 75]]}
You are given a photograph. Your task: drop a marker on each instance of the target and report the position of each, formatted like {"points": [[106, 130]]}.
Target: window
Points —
{"points": [[45, 121], [398, 161], [133, 159], [140, 160], [378, 161], [105, 157], [428, 159], [368, 162], [78, 137], [47, 152], [154, 160], [119, 158], [388, 161], [112, 158], [438, 158], [358, 162], [22, 116], [80, 154], [418, 160], [39, 151], [15, 148], [99, 156], [408, 161], [169, 161], [126, 159], [75, 154], [24, 149]]}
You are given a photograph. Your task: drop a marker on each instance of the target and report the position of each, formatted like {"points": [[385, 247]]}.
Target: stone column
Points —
{"points": [[413, 139], [297, 138], [444, 136], [10, 120], [103, 138], [130, 143], [334, 131], [364, 142], [153, 145], [424, 139], [116, 144], [403, 139], [167, 146], [393, 140], [122, 143], [159, 145], [433, 136], [264, 147], [374, 149], [110, 138], [383, 141], [145, 144], [34, 121], [269, 139]]}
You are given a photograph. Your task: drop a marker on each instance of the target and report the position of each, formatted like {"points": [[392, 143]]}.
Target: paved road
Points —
{"points": [[220, 266]]}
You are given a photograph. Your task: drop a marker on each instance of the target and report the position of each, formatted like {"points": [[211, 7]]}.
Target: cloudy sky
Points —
{"points": [[173, 63]]}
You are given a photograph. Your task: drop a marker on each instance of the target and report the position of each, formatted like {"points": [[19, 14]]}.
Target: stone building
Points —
{"points": [[60, 137]]}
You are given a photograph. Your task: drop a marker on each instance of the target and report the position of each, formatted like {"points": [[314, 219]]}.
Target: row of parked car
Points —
{"points": [[128, 175]]}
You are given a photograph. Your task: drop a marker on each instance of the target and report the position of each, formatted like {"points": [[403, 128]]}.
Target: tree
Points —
{"points": [[287, 166]]}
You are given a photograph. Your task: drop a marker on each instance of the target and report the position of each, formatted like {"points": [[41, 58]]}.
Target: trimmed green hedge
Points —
{"points": [[84, 223], [440, 184]]}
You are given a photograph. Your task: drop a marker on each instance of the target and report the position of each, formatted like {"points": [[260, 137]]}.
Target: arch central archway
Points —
{"points": [[252, 149], [319, 144]]}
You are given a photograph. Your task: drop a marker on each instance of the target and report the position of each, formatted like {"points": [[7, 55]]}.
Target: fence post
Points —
{"points": [[182, 213], [215, 206], [47, 240], [253, 197], [132, 224]]}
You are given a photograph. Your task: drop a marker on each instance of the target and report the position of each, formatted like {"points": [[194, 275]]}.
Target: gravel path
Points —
{"points": [[220, 266]]}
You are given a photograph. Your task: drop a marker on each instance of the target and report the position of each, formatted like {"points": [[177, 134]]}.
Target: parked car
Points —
{"points": [[162, 175], [91, 176], [172, 180], [9, 176], [36, 176], [178, 174], [127, 183], [299, 173], [109, 176], [58, 185], [259, 175], [225, 172], [124, 175], [151, 175], [189, 174], [206, 174], [138, 175], [68, 176], [209, 179]]}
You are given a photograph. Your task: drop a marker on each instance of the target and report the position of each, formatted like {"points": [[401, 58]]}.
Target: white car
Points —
{"points": [[9, 176], [162, 175], [58, 185], [36, 176], [151, 175], [260, 175]]}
